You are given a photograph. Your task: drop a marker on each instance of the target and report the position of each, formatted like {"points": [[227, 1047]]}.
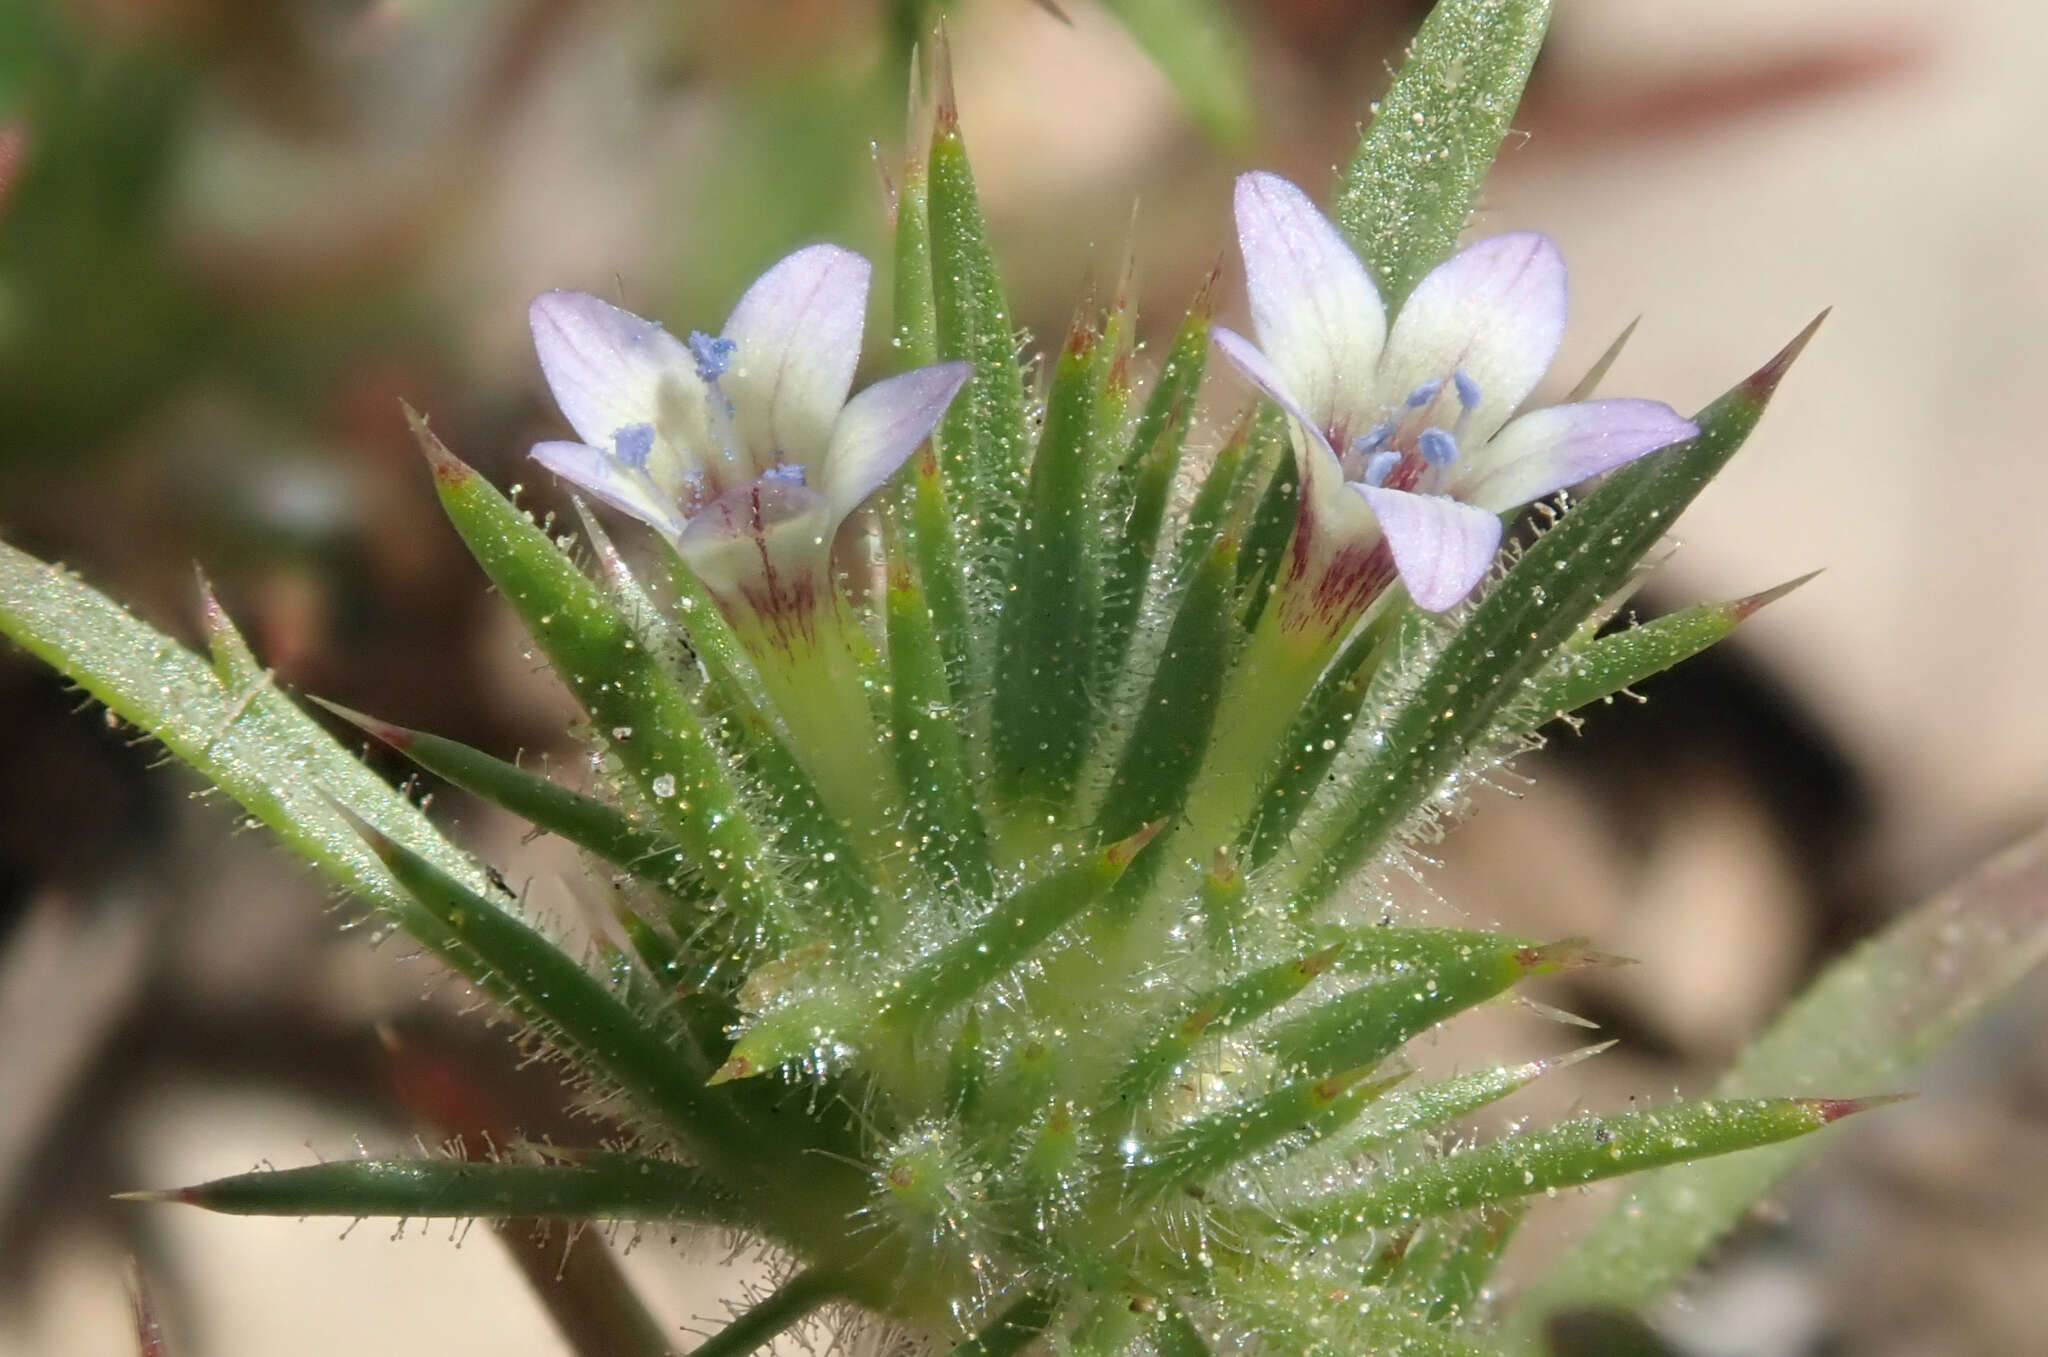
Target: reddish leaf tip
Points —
{"points": [[1313, 965], [1743, 608], [1566, 954], [738, 1067], [945, 103], [1834, 1109], [1223, 874], [1761, 383], [1119, 854], [449, 469], [397, 737]]}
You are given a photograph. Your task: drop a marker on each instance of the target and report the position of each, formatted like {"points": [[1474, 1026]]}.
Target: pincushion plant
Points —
{"points": [[997, 837]]}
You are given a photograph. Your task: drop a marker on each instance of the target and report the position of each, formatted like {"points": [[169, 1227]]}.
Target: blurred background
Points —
{"points": [[235, 233]]}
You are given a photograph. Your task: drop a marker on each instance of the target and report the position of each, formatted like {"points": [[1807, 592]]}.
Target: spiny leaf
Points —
{"points": [[1141, 486], [1305, 1108], [664, 745], [1366, 1024], [248, 739], [589, 1185], [1575, 1152], [1043, 707], [982, 437], [1434, 135], [1607, 665], [584, 821], [1443, 1102], [931, 759], [1171, 730]]}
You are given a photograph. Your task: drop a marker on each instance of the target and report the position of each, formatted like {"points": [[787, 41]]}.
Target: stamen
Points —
{"points": [[713, 355], [792, 472], [1373, 439], [632, 443], [1439, 447], [1424, 394], [1380, 466], [1468, 390]]}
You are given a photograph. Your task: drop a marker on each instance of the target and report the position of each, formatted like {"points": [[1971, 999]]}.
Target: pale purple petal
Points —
{"points": [[762, 551], [1442, 548], [1547, 450], [882, 426], [1495, 311], [797, 337], [607, 368], [1261, 373], [628, 489], [1314, 307], [1322, 474]]}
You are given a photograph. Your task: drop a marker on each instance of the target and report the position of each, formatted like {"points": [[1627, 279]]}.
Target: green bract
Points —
{"points": [[1007, 1053]]}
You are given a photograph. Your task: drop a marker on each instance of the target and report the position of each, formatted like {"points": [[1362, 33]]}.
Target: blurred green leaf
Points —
{"points": [[1201, 49], [1865, 1024]]}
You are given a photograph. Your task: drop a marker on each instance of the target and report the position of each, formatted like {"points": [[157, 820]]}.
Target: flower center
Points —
{"points": [[1411, 448]]}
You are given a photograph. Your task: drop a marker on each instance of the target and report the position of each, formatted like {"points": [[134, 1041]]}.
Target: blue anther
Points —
{"points": [[1439, 447], [1380, 466], [790, 472], [713, 356], [1373, 439], [1468, 390], [632, 443], [1424, 394]]}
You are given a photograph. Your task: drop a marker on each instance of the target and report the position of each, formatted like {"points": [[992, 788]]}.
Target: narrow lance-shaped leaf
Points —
{"points": [[248, 739], [1583, 1150], [1438, 1104], [1370, 1022], [1142, 485], [1457, 1278], [1198, 46], [1171, 731], [1405, 196], [1607, 665], [1043, 707], [585, 1186], [648, 723], [1213, 498], [983, 436], [1305, 1108], [590, 824], [1866, 1022], [931, 760], [1555, 585], [1207, 1018]]}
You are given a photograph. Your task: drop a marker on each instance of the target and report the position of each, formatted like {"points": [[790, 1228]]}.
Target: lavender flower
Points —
{"points": [[1407, 452], [742, 449]]}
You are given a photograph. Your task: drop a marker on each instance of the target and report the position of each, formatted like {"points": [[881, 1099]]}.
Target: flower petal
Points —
{"points": [[797, 341], [1495, 310], [608, 368], [762, 551], [881, 427], [1546, 450], [1441, 547], [627, 489], [1321, 472], [1314, 307]]}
